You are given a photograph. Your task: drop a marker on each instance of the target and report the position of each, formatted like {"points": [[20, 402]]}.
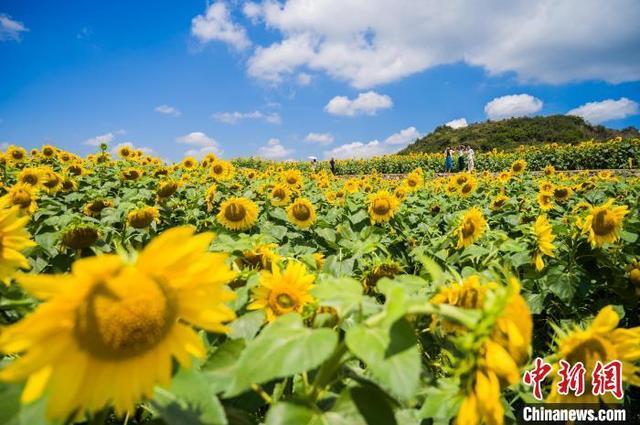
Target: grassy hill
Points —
{"points": [[510, 133]]}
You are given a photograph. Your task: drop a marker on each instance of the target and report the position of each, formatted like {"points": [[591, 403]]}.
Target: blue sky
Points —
{"points": [[299, 78]]}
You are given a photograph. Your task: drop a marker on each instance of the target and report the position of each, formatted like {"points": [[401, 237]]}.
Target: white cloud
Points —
{"points": [[373, 148], [606, 110], [357, 150], [457, 123], [515, 105], [11, 29], [217, 25], [366, 103], [168, 110], [304, 79], [320, 138], [403, 137], [131, 146], [201, 144], [367, 43], [252, 11], [236, 117], [104, 138], [274, 150]]}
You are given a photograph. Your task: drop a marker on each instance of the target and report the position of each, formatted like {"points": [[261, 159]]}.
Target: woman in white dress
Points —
{"points": [[471, 158]]}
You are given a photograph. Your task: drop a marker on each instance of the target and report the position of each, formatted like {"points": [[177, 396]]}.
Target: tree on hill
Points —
{"points": [[510, 133]]}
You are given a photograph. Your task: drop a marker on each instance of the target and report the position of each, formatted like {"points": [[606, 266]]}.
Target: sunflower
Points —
{"points": [[142, 218], [504, 176], [544, 241], [131, 173], [261, 256], [75, 170], [319, 260], [280, 195], [30, 177], [380, 269], [221, 170], [401, 192], [48, 151], [292, 178], [351, 186], [382, 206], [549, 170], [301, 213], [21, 195], [65, 156], [117, 323], [166, 188], [68, 185], [546, 186], [125, 152], [472, 226], [601, 341], [95, 207], [604, 222], [189, 163], [634, 275], [498, 202], [210, 196], [544, 201], [80, 236], [15, 154], [238, 213], [451, 188], [14, 238], [562, 193], [502, 348], [414, 181], [468, 187], [518, 166], [51, 181], [283, 292]]}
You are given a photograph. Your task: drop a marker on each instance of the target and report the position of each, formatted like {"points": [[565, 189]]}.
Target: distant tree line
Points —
{"points": [[511, 133]]}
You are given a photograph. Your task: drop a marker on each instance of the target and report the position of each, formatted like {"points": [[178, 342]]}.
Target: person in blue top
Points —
{"points": [[461, 153], [448, 162]]}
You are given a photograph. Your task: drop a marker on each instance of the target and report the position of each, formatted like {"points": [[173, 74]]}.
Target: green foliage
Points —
{"points": [[511, 133]]}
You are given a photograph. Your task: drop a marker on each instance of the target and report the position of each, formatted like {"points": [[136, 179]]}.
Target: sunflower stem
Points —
{"points": [[327, 371], [266, 397]]}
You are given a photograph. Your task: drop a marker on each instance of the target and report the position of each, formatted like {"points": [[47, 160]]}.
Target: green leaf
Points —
{"points": [[359, 217], [285, 347], [13, 413], [290, 413], [220, 367], [189, 401], [628, 236], [374, 405], [343, 294], [391, 354], [328, 235], [441, 403], [247, 325]]}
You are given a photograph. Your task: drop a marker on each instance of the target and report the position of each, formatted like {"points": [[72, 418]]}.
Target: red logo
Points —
{"points": [[605, 378]]}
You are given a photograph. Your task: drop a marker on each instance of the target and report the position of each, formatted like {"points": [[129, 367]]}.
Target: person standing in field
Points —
{"points": [[471, 158], [314, 163], [448, 162], [332, 163], [461, 158]]}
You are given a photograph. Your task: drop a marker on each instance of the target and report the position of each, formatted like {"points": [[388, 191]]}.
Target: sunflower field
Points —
{"points": [[210, 292], [617, 153]]}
